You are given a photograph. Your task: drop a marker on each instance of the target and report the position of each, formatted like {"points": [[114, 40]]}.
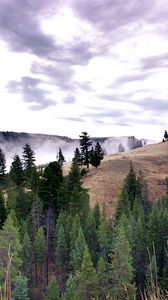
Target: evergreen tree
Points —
{"points": [[96, 155], [28, 160], [91, 236], [9, 247], [122, 269], [3, 212], [76, 225], [105, 238], [85, 145], [76, 255], [36, 214], [40, 251], [61, 255], [60, 157], [87, 281], [20, 291], [26, 254], [53, 291], [50, 183], [102, 275], [77, 157], [2, 166], [70, 289], [166, 135], [97, 215], [164, 279], [16, 171]]}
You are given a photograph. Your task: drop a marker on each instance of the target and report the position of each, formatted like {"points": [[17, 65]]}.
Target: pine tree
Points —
{"points": [[50, 184], [70, 289], [77, 157], [76, 255], [16, 171], [53, 291], [28, 160], [97, 215], [60, 157], [122, 269], [36, 214], [96, 155], [91, 236], [20, 291], [3, 212], [2, 166], [40, 251], [76, 225], [85, 145], [87, 281], [9, 245], [105, 237], [26, 254], [164, 279], [61, 255], [102, 275]]}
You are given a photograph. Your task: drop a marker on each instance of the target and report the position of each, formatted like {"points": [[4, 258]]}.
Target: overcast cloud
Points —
{"points": [[98, 66]]}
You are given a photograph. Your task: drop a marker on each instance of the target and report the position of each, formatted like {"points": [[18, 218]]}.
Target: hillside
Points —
{"points": [[104, 184]]}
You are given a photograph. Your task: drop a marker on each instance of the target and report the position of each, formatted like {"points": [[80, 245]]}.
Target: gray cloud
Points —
{"points": [[28, 88], [69, 99], [154, 105], [74, 119], [131, 78], [154, 62]]}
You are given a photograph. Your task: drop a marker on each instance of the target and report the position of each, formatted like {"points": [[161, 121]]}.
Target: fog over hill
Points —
{"points": [[46, 146]]}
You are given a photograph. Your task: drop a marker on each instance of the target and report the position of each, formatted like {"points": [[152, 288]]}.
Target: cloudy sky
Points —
{"points": [[84, 65]]}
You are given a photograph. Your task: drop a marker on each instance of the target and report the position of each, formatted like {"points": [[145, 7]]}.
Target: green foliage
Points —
{"points": [[9, 245], [20, 291], [61, 254], [76, 255], [2, 209], [60, 157], [28, 160], [26, 254], [16, 171], [50, 183], [2, 166], [70, 289], [40, 246], [97, 215], [122, 269], [87, 281], [85, 145], [96, 155], [77, 157], [102, 276], [91, 236], [53, 291]]}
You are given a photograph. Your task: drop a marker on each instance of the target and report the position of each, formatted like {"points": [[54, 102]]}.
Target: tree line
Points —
{"points": [[53, 245]]}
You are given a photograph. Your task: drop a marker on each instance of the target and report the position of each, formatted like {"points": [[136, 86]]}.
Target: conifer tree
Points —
{"points": [[76, 225], [26, 254], [77, 157], [53, 291], [105, 237], [97, 215], [91, 235], [85, 145], [71, 288], [122, 269], [20, 291], [87, 281], [76, 255], [40, 251], [3, 212], [9, 245], [16, 171], [2, 166], [60, 157], [61, 254], [96, 155], [102, 276], [28, 160], [164, 280], [36, 214]]}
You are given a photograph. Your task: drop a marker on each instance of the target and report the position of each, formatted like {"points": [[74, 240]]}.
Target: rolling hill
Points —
{"points": [[104, 184]]}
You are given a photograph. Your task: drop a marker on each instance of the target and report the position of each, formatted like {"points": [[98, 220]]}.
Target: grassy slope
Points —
{"points": [[104, 184]]}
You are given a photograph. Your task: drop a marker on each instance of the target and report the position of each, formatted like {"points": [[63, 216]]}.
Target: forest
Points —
{"points": [[55, 246]]}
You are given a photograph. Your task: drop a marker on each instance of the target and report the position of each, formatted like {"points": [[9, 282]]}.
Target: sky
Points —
{"points": [[99, 66]]}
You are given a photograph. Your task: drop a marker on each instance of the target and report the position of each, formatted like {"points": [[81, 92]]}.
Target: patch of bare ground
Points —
{"points": [[104, 184]]}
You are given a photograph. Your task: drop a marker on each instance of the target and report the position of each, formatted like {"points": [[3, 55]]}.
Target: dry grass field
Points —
{"points": [[104, 184]]}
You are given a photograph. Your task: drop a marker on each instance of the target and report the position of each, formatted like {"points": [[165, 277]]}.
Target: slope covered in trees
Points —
{"points": [[53, 245]]}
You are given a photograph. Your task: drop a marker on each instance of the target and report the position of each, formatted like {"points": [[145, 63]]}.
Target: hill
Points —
{"points": [[104, 184], [46, 147]]}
